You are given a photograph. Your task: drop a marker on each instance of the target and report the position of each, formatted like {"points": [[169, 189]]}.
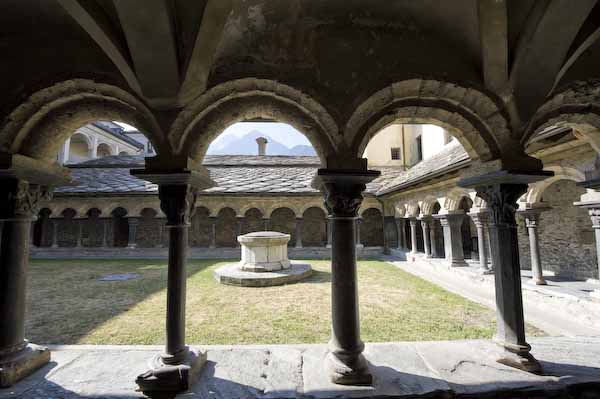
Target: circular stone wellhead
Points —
{"points": [[264, 262]]}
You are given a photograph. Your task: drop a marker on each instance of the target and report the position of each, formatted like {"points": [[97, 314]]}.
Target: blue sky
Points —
{"points": [[281, 132]]}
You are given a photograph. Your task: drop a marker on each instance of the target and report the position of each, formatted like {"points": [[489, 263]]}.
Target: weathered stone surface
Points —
{"points": [[232, 275]]}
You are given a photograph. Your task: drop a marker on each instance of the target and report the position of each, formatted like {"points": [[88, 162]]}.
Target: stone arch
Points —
{"points": [[427, 205], [226, 229], [453, 199], [104, 150], [79, 148], [536, 190], [476, 120], [371, 228], [201, 228], [284, 220], [412, 209], [577, 106], [246, 99], [468, 229], [314, 227], [38, 127], [253, 220], [400, 210]]}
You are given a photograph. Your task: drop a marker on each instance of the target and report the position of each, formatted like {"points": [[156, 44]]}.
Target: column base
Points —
{"points": [[354, 370], [18, 365], [457, 263], [485, 271], [165, 380], [534, 281], [518, 357]]}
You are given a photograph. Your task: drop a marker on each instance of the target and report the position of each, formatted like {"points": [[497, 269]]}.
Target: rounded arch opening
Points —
{"points": [[247, 100]]}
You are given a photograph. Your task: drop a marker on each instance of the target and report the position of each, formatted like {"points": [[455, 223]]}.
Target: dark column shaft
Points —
{"points": [[176, 290], [344, 298], [14, 257]]}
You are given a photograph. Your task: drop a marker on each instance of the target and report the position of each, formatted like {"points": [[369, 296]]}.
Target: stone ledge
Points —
{"points": [[231, 275]]}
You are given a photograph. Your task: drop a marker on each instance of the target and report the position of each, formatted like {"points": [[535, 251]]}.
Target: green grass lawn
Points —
{"points": [[68, 305]]}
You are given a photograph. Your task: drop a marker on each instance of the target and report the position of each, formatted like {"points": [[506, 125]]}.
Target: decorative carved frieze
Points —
{"points": [[178, 203], [501, 200], [22, 200], [343, 200]]}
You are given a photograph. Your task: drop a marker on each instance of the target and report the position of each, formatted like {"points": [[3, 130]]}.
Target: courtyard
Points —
{"points": [[68, 303]]}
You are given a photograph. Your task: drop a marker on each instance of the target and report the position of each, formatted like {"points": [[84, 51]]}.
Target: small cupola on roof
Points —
{"points": [[262, 146]]}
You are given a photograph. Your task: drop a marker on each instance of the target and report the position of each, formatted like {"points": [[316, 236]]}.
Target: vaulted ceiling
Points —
{"points": [[168, 52]]}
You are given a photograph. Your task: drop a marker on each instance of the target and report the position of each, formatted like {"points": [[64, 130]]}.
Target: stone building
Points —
{"points": [[514, 82], [101, 139]]}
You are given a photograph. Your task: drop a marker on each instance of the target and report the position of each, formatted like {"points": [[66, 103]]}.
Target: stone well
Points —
{"points": [[264, 262]]}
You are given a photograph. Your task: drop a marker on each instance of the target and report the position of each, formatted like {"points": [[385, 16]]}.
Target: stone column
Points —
{"points": [[175, 369], [105, 228], [213, 232], [79, 222], [267, 222], [345, 362], [299, 232], [54, 233], [501, 199], [595, 217], [399, 233], [480, 220], [532, 218], [240, 221], [19, 204], [328, 233], [357, 230], [453, 246], [131, 238], [425, 225], [413, 234], [433, 240]]}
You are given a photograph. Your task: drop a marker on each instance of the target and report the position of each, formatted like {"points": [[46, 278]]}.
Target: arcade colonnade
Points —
{"points": [[29, 144]]}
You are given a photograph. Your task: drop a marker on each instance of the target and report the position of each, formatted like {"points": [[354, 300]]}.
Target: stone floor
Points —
{"points": [[445, 369], [563, 307]]}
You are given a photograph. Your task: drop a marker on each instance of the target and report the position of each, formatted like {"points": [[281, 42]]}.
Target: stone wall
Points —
{"points": [[371, 228], [200, 233], [314, 228], [566, 237], [390, 232], [227, 228]]}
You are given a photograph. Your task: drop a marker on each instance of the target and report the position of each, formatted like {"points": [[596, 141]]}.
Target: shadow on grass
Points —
{"points": [[66, 300]]}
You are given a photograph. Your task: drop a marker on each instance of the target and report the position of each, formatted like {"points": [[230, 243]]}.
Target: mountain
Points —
{"points": [[246, 145], [302, 150]]}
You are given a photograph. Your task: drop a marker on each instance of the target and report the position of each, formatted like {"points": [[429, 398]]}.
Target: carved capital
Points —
{"points": [[501, 200], [22, 200], [595, 216], [178, 203], [343, 200], [480, 219]]}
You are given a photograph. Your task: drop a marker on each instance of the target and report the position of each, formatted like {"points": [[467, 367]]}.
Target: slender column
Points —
{"points": [[595, 217], [213, 232], [328, 233], [299, 232], [453, 246], [425, 225], [105, 230], [399, 233], [413, 234], [502, 199], [131, 238], [240, 222], [161, 227], [532, 218], [480, 220], [267, 222], [54, 233], [343, 196], [79, 232], [19, 203], [433, 240], [357, 232]]}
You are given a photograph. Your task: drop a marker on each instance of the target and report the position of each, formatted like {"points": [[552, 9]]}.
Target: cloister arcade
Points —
{"points": [[474, 70]]}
